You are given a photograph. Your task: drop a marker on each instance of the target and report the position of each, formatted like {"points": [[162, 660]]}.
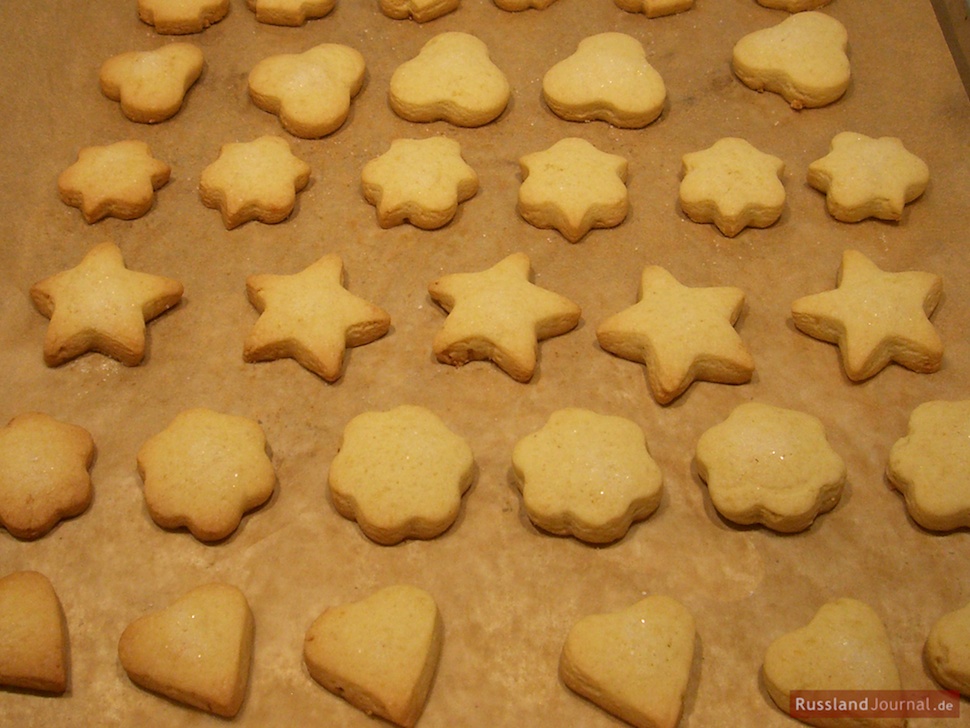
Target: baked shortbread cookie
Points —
{"points": [[947, 650], [291, 13], [655, 8], [379, 654], [100, 305], [310, 91], [682, 334], [803, 59], [451, 79], [182, 17], [204, 471], [115, 180], [418, 10], [769, 465], [499, 315], [587, 475], [794, 6], [197, 650], [515, 6], [420, 181], [43, 473], [34, 642], [635, 663], [151, 85], [400, 474], [875, 317], [573, 187], [310, 317]]}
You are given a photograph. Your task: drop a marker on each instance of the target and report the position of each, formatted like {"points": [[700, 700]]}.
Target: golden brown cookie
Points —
{"points": [[655, 8], [515, 6], [289, 12], [34, 644], [151, 85], [181, 17], [420, 11], [947, 650]]}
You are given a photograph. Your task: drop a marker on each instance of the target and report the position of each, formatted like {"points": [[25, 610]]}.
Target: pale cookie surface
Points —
{"points": [[420, 11], [116, 180], [498, 314], [515, 6], [864, 177], [43, 473], [204, 471], [682, 334], [380, 653], [420, 181], [587, 475], [256, 180], [400, 474], [100, 305], [151, 85], [770, 465], [573, 187], [875, 317], [311, 91], [451, 79], [197, 650], [655, 8], [181, 17], [634, 663], [930, 465], [794, 6], [289, 12], [733, 185], [310, 317], [34, 653], [803, 59], [947, 650]]}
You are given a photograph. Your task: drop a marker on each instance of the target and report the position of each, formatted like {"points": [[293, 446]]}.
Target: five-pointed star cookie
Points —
{"points": [[500, 315], [310, 317], [682, 334], [875, 317], [100, 305]]}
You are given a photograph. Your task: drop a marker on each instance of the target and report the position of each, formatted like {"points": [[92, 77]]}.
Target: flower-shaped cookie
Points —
{"points": [[310, 317], [421, 181], [573, 187], [418, 10], [864, 177], [289, 12], [682, 334], [947, 650], [309, 91], [733, 185], [769, 465], [400, 474], [34, 644], [587, 475], [181, 17], [151, 85], [875, 318], [655, 8], [498, 314]]}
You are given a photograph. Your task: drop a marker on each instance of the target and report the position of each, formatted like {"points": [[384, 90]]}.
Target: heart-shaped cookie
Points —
{"points": [[33, 634], [947, 650]]}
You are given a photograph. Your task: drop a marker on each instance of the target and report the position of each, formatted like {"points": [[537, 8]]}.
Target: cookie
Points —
{"points": [[117, 180], [794, 6], [196, 651], [587, 475], [420, 181], [204, 471], [930, 465], [151, 85], [875, 317], [43, 473], [573, 187], [419, 10], [451, 79], [682, 334], [770, 465], [310, 317], [310, 91], [293, 13], [655, 8], [182, 17], [515, 6], [499, 315], [947, 650], [256, 180], [803, 59], [34, 640], [635, 663], [400, 474], [100, 305], [864, 177], [733, 185], [380, 653]]}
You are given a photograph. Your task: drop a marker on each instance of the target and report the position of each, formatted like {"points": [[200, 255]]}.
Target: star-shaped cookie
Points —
{"points": [[151, 85], [310, 317], [498, 314], [875, 318], [100, 305], [181, 17], [682, 334]]}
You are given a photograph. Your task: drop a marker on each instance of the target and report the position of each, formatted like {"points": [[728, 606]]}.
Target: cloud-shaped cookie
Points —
{"points": [[655, 8], [181, 17], [947, 650], [34, 643], [151, 85], [291, 13], [420, 11]]}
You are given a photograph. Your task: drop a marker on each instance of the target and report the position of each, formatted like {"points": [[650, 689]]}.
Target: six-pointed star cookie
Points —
{"points": [[682, 334], [875, 317], [100, 305], [310, 317], [500, 315]]}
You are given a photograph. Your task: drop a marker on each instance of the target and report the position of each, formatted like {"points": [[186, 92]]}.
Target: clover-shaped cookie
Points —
{"points": [[310, 91], [34, 644], [289, 12], [420, 11], [947, 650], [151, 85], [181, 17], [769, 465], [607, 78]]}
